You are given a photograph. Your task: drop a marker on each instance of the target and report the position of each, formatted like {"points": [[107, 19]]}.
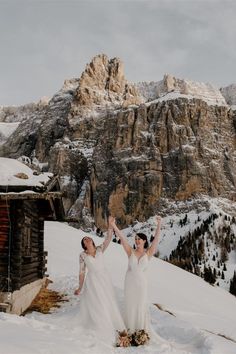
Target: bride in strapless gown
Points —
{"points": [[136, 286], [98, 310]]}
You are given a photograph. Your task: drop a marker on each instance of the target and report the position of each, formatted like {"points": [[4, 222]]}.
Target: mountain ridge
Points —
{"points": [[133, 144]]}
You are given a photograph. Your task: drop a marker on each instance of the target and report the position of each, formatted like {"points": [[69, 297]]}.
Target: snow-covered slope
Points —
{"points": [[199, 309], [197, 212], [164, 279]]}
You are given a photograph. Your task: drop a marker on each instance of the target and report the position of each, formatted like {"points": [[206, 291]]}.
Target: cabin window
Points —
{"points": [[26, 241]]}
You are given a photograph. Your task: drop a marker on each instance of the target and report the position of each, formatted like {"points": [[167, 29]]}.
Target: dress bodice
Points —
{"points": [[138, 264], [92, 263]]}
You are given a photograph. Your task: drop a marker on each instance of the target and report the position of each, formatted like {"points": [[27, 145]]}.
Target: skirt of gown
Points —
{"points": [[137, 314], [98, 309], [136, 302]]}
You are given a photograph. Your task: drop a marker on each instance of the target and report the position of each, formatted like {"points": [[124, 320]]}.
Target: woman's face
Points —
{"points": [[87, 241], [138, 241]]}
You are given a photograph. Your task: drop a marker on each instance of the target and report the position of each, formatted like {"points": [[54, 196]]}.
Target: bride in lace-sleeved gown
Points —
{"points": [[136, 294], [98, 310]]}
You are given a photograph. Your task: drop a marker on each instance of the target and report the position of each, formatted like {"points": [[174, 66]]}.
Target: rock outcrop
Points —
{"points": [[229, 93], [170, 84], [103, 85], [120, 149]]}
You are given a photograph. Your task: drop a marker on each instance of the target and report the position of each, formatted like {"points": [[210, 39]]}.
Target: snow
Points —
{"points": [[10, 168], [149, 90], [85, 146], [175, 95], [201, 311], [229, 94], [171, 230], [6, 129], [172, 88]]}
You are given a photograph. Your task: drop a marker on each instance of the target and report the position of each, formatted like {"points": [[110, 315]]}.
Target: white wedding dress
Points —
{"points": [[98, 311], [137, 315], [136, 296]]}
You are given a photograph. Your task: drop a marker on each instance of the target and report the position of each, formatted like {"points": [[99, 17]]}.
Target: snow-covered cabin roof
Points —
{"points": [[15, 173]]}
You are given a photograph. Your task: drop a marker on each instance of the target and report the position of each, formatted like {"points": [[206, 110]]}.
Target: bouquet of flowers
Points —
{"points": [[126, 339], [139, 337], [123, 339]]}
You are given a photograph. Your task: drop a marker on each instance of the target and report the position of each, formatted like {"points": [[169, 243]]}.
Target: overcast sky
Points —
{"points": [[44, 42]]}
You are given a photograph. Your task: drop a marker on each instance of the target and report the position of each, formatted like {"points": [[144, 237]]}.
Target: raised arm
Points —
{"points": [[82, 271], [152, 249], [121, 236], [108, 238]]}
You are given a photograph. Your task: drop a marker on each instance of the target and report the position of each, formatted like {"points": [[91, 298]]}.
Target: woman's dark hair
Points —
{"points": [[144, 238], [83, 245]]}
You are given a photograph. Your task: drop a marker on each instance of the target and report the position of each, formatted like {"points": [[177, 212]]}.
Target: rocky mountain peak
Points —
{"points": [[102, 73], [171, 84], [103, 84]]}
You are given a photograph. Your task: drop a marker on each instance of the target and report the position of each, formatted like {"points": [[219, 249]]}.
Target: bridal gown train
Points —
{"points": [[98, 310]]}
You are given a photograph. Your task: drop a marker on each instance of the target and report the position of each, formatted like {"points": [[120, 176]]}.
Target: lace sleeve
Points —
{"points": [[82, 265]]}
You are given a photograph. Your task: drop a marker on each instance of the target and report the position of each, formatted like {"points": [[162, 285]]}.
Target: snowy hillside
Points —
{"points": [[184, 220], [203, 314]]}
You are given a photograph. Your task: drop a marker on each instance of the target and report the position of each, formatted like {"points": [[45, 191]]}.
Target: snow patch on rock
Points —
{"points": [[170, 84]]}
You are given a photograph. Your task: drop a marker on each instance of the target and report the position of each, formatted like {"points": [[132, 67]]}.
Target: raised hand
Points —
{"points": [[158, 219], [77, 292], [111, 221]]}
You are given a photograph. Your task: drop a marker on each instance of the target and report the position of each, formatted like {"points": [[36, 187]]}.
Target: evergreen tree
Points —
{"points": [[224, 254], [185, 219], [214, 272], [208, 275], [232, 288]]}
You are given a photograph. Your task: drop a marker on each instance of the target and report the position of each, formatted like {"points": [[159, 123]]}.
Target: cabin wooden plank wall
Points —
{"points": [[28, 258], [15, 240], [4, 243]]}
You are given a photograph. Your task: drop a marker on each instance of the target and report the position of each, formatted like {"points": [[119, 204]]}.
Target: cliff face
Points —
{"points": [[176, 149], [229, 92], [117, 153]]}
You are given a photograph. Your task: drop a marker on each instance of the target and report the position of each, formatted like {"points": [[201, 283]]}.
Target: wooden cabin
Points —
{"points": [[25, 203]]}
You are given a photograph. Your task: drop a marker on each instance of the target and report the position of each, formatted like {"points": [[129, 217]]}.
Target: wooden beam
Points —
{"points": [[31, 196]]}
